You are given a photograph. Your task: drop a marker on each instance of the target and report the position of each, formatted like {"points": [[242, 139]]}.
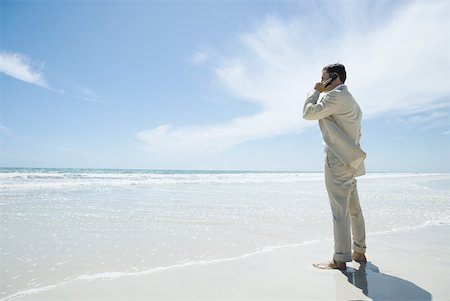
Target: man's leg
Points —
{"points": [[338, 181], [357, 221]]}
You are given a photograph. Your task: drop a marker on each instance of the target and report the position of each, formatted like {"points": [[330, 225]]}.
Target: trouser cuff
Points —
{"points": [[359, 249], [342, 257]]}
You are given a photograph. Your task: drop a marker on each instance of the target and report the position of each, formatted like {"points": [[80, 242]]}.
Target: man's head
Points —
{"points": [[328, 71]]}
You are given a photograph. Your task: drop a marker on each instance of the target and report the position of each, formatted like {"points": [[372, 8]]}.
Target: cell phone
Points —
{"points": [[333, 78]]}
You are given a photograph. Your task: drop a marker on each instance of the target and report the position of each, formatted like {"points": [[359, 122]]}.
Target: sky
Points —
{"points": [[219, 84]]}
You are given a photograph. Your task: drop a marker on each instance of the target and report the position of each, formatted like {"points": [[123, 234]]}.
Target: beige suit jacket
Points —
{"points": [[340, 122]]}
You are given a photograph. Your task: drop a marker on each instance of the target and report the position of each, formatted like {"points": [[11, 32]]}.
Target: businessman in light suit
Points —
{"points": [[339, 119]]}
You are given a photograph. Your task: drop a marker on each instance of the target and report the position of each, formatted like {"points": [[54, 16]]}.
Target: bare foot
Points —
{"points": [[359, 257], [332, 265]]}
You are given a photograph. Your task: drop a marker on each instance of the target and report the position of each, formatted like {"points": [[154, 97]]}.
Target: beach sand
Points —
{"points": [[409, 264]]}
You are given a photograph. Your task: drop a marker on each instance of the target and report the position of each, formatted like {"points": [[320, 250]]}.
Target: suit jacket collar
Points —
{"points": [[341, 87]]}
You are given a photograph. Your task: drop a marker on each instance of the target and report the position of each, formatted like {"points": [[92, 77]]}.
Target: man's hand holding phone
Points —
{"points": [[320, 86]]}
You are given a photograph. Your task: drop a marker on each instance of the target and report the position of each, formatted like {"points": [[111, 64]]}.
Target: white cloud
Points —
{"points": [[6, 130], [203, 55], [194, 141], [426, 120], [21, 68], [398, 67], [405, 65]]}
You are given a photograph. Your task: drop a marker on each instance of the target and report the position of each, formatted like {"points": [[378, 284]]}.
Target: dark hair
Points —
{"points": [[339, 69]]}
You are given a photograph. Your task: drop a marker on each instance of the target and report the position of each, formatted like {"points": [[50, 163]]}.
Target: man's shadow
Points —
{"points": [[379, 286]]}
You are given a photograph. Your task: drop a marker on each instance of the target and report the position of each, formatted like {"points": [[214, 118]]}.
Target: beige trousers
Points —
{"points": [[348, 219]]}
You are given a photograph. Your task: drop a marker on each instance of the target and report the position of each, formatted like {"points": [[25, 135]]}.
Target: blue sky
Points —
{"points": [[219, 84]]}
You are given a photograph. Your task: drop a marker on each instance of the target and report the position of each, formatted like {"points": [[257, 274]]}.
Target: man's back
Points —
{"points": [[339, 119], [347, 114]]}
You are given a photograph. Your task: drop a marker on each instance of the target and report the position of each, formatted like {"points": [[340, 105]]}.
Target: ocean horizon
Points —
{"points": [[155, 170], [143, 170]]}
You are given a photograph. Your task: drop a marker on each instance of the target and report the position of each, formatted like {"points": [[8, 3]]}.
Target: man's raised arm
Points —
{"points": [[315, 110]]}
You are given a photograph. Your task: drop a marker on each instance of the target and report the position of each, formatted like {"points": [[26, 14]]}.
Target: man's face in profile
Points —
{"points": [[325, 75], [325, 78]]}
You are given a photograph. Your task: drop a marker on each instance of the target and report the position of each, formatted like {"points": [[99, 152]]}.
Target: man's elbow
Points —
{"points": [[307, 115]]}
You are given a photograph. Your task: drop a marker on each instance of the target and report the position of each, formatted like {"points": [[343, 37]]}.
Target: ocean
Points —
{"points": [[66, 225]]}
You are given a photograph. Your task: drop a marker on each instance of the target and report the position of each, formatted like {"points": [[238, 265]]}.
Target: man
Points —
{"points": [[339, 119]]}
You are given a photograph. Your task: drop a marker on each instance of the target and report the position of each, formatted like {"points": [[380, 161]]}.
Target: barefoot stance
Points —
{"points": [[359, 257], [336, 265], [332, 265]]}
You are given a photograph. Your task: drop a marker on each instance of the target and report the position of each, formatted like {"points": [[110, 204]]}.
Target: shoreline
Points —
{"points": [[276, 272]]}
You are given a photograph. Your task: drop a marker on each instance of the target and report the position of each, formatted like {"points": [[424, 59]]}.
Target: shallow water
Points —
{"points": [[60, 225]]}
